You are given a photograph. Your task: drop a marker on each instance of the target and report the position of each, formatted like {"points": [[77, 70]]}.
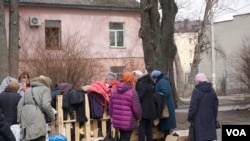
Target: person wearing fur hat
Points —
{"points": [[125, 107], [33, 105], [203, 109], [137, 74], [162, 85], [9, 99]]}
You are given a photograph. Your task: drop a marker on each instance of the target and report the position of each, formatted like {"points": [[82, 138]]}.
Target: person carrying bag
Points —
{"points": [[203, 110], [30, 110]]}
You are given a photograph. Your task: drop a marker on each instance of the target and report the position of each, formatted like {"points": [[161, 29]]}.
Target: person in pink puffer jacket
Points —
{"points": [[124, 107]]}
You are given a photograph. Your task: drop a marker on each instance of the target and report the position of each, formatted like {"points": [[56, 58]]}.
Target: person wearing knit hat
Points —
{"points": [[9, 99], [203, 109], [110, 75], [110, 79], [200, 77], [39, 98], [162, 85], [155, 73], [125, 107]]}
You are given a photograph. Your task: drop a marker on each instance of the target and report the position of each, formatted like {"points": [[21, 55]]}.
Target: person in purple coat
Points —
{"points": [[124, 107], [203, 109]]}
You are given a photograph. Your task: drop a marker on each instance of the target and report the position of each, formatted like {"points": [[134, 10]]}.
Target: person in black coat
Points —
{"points": [[145, 90], [9, 99], [5, 132], [203, 109]]}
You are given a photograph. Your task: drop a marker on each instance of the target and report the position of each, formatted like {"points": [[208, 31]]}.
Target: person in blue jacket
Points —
{"points": [[203, 109], [162, 85]]}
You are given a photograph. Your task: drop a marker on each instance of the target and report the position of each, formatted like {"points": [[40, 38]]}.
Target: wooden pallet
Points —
{"points": [[90, 128]]}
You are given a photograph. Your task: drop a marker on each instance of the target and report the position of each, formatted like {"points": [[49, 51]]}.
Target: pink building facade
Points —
{"points": [[110, 32]]}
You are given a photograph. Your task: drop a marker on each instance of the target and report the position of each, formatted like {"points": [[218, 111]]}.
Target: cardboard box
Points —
{"points": [[179, 135]]}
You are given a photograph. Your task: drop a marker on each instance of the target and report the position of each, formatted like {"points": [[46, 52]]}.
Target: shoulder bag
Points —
{"points": [[46, 117]]}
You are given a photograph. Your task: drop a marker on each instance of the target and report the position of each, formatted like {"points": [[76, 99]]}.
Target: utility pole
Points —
{"points": [[212, 44]]}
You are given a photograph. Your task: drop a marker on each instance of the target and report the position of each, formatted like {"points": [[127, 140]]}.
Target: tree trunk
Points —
{"points": [[197, 51], [180, 78], [145, 35], [4, 52], [14, 38], [168, 49], [157, 39]]}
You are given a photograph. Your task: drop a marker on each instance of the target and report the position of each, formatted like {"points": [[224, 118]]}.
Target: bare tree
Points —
{"points": [[199, 48], [70, 64], [243, 65], [157, 36], [203, 46], [4, 52]]}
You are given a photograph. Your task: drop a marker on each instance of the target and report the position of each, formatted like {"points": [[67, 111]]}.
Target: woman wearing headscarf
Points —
{"points": [[162, 85], [203, 109], [124, 107], [33, 105]]}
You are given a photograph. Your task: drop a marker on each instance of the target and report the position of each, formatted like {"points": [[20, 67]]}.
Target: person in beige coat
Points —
{"points": [[30, 114]]}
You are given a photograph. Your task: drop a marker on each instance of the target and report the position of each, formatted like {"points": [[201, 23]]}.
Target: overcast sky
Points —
{"points": [[193, 9]]}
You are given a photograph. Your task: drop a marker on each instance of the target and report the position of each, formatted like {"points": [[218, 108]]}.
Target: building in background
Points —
{"points": [[108, 28], [229, 37], [186, 37]]}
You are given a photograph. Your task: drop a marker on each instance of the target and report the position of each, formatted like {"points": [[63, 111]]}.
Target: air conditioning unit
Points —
{"points": [[35, 21]]}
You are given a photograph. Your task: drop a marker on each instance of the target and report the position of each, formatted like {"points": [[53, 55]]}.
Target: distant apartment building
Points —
{"points": [[229, 37], [186, 33]]}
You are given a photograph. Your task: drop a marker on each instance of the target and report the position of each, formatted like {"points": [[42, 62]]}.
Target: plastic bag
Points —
{"points": [[59, 137], [18, 131]]}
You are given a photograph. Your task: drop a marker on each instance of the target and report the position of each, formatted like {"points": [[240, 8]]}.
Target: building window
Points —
{"points": [[190, 41], [52, 34], [186, 77], [116, 34], [190, 54], [118, 70]]}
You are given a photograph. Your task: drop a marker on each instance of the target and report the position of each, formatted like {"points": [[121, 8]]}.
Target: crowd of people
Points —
{"points": [[131, 106], [24, 102]]}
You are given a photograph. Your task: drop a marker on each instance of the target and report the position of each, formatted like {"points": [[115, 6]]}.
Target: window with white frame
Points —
{"points": [[116, 34]]}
